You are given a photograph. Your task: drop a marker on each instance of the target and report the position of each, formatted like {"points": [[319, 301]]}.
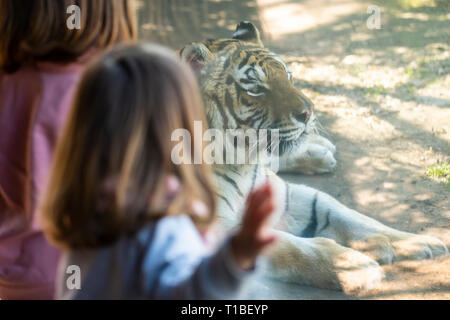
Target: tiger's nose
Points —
{"points": [[303, 116]]}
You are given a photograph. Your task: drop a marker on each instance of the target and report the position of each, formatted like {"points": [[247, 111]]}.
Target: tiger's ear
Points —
{"points": [[197, 55], [247, 31]]}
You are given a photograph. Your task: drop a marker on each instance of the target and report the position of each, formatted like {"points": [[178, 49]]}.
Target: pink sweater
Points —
{"points": [[33, 106]]}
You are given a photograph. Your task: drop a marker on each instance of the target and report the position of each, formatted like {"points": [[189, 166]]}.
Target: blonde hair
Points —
{"points": [[114, 156], [36, 30]]}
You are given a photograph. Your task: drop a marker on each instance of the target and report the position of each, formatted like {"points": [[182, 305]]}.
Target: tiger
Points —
{"points": [[320, 242]]}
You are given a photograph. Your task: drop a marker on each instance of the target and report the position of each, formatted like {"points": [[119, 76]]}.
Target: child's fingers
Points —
{"points": [[255, 201], [267, 240], [263, 207], [266, 188], [255, 217], [262, 214], [258, 196], [258, 219], [259, 210], [264, 241]]}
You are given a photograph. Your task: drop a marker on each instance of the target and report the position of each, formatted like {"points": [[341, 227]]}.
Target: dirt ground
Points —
{"points": [[383, 97]]}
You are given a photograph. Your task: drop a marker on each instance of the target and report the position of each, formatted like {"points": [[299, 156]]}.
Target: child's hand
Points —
{"points": [[254, 235]]}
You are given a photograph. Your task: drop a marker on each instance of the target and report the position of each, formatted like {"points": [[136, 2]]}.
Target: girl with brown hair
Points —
{"points": [[126, 215], [41, 60]]}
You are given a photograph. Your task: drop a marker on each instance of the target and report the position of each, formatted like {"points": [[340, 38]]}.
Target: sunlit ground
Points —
{"points": [[383, 96], [280, 18]]}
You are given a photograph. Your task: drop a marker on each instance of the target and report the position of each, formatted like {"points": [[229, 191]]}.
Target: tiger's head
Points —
{"points": [[246, 86]]}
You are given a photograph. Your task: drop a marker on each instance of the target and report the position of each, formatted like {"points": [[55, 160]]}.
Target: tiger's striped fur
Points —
{"points": [[246, 86]]}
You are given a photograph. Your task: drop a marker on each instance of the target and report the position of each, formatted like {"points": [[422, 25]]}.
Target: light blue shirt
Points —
{"points": [[164, 260]]}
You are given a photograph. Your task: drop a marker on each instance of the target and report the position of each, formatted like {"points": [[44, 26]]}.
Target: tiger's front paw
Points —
{"points": [[353, 271], [398, 246], [316, 159], [323, 263]]}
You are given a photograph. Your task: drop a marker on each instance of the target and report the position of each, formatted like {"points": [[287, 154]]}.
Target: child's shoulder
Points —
{"points": [[179, 223], [171, 231]]}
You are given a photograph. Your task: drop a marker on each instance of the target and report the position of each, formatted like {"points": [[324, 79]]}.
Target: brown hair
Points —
{"points": [[36, 30], [112, 161]]}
